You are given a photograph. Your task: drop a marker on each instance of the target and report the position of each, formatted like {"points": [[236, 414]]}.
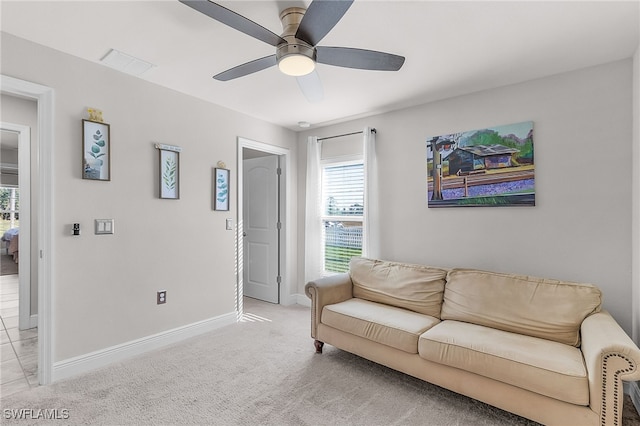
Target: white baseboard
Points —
{"points": [[296, 299], [302, 299], [289, 300], [33, 321], [91, 361], [634, 391]]}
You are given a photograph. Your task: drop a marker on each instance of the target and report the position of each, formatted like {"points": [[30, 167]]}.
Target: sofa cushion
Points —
{"points": [[538, 365], [384, 324], [414, 287], [537, 307]]}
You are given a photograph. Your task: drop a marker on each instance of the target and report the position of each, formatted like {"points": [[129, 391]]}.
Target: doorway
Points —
{"points": [[263, 224], [44, 147], [15, 224], [18, 317]]}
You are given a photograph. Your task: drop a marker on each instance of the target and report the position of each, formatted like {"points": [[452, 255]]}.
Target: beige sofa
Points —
{"points": [[540, 348]]}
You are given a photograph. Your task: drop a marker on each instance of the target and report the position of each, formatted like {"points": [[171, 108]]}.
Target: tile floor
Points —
{"points": [[18, 349]]}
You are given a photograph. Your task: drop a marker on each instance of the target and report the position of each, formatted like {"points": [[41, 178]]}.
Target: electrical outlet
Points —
{"points": [[162, 297]]}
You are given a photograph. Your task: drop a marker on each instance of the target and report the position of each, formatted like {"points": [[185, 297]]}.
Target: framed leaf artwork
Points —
{"points": [[169, 174], [96, 150], [221, 189]]}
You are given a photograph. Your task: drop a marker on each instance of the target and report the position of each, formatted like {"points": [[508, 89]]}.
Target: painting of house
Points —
{"points": [[488, 167], [481, 157]]}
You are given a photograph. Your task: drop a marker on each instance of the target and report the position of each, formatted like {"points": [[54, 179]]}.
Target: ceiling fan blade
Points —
{"points": [[359, 58], [246, 69], [321, 16], [311, 86], [234, 20]]}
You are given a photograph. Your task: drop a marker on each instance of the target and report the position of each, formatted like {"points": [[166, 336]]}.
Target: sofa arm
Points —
{"points": [[610, 357], [325, 291]]}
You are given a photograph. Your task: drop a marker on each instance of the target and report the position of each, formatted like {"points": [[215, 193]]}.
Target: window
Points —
{"points": [[342, 210], [9, 209]]}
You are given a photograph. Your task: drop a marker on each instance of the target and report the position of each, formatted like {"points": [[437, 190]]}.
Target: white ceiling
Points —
{"points": [[451, 48]]}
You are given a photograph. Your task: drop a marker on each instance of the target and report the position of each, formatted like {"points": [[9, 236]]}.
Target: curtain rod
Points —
{"points": [[346, 134]]}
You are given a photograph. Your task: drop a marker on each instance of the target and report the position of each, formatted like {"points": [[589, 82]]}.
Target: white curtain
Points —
{"points": [[313, 224], [371, 219]]}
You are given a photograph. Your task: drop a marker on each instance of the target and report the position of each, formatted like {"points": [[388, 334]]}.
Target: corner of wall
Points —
{"points": [[635, 387], [303, 300], [635, 226]]}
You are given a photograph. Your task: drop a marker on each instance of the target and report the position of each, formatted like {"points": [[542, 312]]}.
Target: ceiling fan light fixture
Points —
{"points": [[296, 65], [296, 59]]}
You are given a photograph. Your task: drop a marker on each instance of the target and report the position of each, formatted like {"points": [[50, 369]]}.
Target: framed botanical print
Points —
{"points": [[169, 174], [221, 189], [96, 150]]}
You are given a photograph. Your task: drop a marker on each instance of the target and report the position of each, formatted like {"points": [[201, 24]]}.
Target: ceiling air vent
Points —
{"points": [[126, 63]]}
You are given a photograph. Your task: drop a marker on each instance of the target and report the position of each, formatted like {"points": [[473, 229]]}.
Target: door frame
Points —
{"points": [[285, 218], [44, 146], [24, 186]]}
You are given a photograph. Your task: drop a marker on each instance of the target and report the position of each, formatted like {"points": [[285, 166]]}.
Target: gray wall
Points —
{"points": [[580, 228], [105, 286]]}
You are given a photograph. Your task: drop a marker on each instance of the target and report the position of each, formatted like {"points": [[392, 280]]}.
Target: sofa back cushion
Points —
{"points": [[414, 287], [538, 307]]}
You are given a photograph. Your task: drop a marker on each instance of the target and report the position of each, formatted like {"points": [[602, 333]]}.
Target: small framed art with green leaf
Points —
{"points": [[169, 174], [221, 189], [96, 150]]}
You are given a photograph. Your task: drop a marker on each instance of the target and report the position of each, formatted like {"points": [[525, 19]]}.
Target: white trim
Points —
{"points": [[91, 361], [24, 185], [302, 299], [286, 255], [45, 147], [24, 265], [33, 321]]}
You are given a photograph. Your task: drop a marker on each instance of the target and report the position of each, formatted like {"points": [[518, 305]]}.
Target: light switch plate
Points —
{"points": [[104, 226]]}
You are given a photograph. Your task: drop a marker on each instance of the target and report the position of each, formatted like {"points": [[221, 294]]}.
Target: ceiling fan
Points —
{"points": [[297, 51]]}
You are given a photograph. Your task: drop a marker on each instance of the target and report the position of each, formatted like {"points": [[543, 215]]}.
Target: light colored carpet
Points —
{"points": [[262, 371]]}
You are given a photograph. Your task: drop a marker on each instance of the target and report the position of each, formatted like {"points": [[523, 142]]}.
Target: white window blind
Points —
{"points": [[342, 214]]}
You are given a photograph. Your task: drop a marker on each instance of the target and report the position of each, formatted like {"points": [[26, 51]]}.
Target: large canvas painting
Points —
{"points": [[492, 167]]}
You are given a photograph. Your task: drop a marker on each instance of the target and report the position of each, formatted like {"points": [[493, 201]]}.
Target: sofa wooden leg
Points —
{"points": [[318, 344]]}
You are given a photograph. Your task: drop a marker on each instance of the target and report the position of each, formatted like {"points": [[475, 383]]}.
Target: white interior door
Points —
{"points": [[261, 228]]}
